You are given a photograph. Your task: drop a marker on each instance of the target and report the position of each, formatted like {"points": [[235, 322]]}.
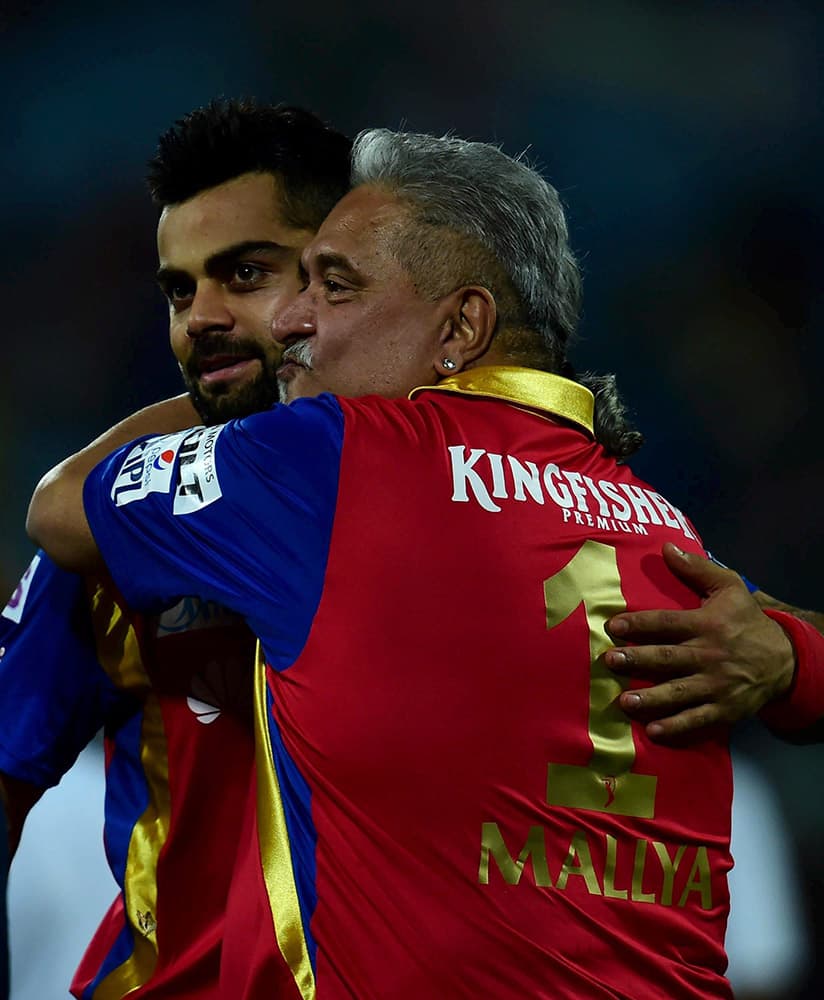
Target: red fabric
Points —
{"points": [[206, 771], [803, 704], [409, 749]]}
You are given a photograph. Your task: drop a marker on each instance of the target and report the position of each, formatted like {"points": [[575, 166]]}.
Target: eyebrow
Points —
{"points": [[328, 258], [219, 261]]}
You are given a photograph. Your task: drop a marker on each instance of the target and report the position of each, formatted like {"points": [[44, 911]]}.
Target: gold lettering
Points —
{"points": [[607, 783], [638, 894], [669, 866], [609, 871], [493, 843], [579, 849], [699, 880]]}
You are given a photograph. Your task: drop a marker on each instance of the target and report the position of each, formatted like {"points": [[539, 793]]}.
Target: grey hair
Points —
{"points": [[613, 430], [499, 204]]}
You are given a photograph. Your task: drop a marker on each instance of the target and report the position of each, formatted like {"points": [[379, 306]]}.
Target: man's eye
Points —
{"points": [[333, 287], [177, 294], [245, 274]]}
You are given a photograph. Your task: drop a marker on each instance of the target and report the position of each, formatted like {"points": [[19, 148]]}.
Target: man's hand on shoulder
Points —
{"points": [[715, 664]]}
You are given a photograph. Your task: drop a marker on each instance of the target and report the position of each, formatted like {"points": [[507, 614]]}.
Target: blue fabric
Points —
{"points": [[752, 587], [127, 797], [240, 513], [54, 694], [303, 836]]}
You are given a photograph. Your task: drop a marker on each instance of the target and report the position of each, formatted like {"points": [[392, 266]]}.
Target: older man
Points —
{"points": [[450, 804]]}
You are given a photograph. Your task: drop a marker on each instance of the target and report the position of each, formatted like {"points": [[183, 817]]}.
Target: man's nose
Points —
{"points": [[208, 310], [295, 320]]}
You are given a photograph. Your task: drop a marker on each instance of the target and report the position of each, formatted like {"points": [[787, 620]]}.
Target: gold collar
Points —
{"points": [[524, 387]]}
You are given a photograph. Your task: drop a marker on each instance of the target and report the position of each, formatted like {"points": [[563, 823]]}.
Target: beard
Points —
{"points": [[222, 402], [301, 353]]}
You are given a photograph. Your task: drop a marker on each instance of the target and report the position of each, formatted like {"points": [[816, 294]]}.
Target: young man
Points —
{"points": [[452, 804], [247, 187]]}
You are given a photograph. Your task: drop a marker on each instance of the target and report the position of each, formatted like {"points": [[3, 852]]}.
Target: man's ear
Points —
{"points": [[469, 325]]}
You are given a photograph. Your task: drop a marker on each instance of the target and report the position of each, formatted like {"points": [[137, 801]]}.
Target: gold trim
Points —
{"points": [[275, 850], [526, 387], [148, 836], [118, 651], [118, 647]]}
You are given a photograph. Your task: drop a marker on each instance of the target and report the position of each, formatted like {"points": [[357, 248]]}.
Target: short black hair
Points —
{"points": [[228, 138]]}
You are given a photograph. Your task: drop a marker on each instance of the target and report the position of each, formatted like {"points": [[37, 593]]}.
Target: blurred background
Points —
{"points": [[686, 139]]}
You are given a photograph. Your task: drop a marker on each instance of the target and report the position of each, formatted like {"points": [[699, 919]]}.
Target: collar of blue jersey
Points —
{"points": [[524, 387]]}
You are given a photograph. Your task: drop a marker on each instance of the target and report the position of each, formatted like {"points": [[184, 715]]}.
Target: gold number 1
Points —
{"points": [[607, 783]]}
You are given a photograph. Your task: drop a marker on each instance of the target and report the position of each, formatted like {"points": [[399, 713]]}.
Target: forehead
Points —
{"points": [[245, 209], [362, 226]]}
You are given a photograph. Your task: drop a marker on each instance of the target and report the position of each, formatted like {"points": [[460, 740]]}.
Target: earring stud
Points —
{"points": [[449, 364]]}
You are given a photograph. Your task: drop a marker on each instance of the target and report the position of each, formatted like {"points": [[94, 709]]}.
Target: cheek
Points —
{"points": [[178, 339], [259, 314]]}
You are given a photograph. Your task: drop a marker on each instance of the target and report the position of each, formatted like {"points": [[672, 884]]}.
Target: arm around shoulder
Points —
{"points": [[57, 518]]}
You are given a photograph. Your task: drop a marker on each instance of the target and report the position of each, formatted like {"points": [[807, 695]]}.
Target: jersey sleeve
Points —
{"points": [[54, 694], [239, 513], [801, 710]]}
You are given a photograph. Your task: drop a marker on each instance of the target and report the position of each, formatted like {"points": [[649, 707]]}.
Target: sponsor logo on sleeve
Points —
{"points": [[197, 482], [14, 609], [147, 469]]}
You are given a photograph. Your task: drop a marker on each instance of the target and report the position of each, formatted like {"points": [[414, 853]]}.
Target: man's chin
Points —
{"points": [[297, 383], [233, 402]]}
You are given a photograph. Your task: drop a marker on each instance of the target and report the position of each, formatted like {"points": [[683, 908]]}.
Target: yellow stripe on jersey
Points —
{"points": [[275, 852], [118, 650], [147, 839]]}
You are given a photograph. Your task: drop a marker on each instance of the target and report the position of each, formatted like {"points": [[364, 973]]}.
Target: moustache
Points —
{"points": [[299, 353], [207, 348]]}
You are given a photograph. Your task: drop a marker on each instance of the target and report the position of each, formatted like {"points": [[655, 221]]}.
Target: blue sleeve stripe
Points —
{"points": [[752, 587]]}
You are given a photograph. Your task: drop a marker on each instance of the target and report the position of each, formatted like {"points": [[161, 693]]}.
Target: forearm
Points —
{"points": [[815, 618], [57, 519], [798, 715]]}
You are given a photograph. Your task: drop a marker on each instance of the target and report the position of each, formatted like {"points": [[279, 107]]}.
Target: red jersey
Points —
{"points": [[178, 772], [460, 810]]}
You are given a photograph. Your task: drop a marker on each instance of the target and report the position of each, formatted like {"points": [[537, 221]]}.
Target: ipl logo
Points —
{"points": [[14, 609]]}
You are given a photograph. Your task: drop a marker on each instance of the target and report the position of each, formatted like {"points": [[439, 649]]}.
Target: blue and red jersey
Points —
{"points": [[449, 802], [172, 693]]}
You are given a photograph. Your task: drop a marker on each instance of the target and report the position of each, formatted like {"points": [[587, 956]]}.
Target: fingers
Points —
{"points": [[704, 577], [664, 699], [686, 723], [640, 661], [700, 574], [675, 709], [652, 626]]}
